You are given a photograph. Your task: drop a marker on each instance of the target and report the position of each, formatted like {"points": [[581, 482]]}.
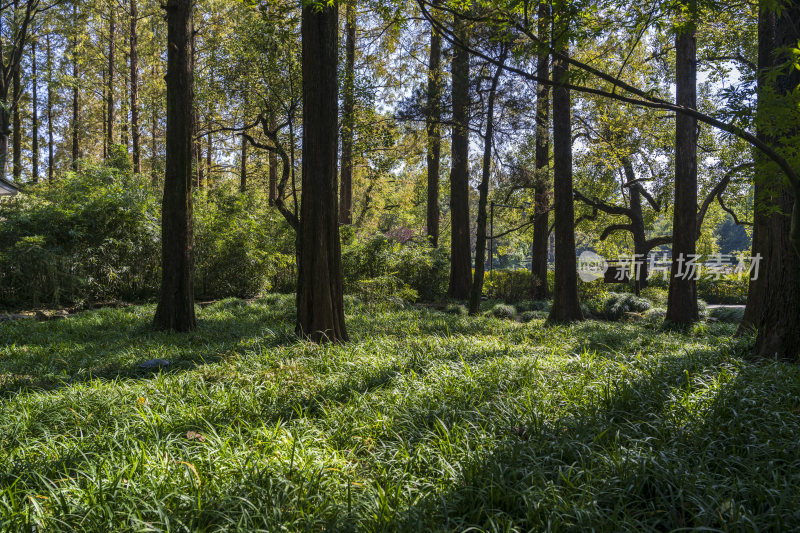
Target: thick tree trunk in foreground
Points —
{"points": [[434, 132], [774, 300], [480, 242], [176, 304], [135, 130], [461, 253], [348, 117], [76, 153], [540, 252], [320, 307], [566, 305], [682, 305]]}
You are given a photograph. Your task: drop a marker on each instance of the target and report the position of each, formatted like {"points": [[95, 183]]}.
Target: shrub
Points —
{"points": [[732, 315], [616, 305], [456, 309], [530, 316], [507, 285], [503, 311], [418, 266], [533, 305]]}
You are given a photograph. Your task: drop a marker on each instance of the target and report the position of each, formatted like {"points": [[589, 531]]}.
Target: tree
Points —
{"points": [[34, 115], [11, 53], [460, 253], [348, 115], [483, 189], [320, 305], [540, 252], [176, 303], [773, 305], [566, 305], [110, 113], [134, 77], [434, 133], [682, 303]]}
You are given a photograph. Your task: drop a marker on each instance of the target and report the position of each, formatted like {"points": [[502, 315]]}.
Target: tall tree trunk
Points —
{"points": [[209, 153], [348, 117], [110, 113], [434, 131], [123, 105], [50, 130], [273, 164], [135, 132], [774, 300], [17, 121], [320, 306], [75, 92], [34, 115], [682, 304], [5, 131], [243, 166], [197, 151], [176, 304], [154, 174], [461, 255], [566, 305], [540, 251], [480, 242]]}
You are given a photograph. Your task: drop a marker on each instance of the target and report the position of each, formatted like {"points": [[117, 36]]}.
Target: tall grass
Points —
{"points": [[426, 421]]}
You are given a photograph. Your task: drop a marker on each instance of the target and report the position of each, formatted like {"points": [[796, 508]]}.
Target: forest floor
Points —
{"points": [[424, 421]]}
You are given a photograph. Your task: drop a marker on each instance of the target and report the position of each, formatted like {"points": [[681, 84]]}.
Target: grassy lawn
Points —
{"points": [[426, 421]]}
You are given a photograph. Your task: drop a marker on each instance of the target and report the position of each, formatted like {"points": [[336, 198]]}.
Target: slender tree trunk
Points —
{"points": [[17, 121], [176, 304], [480, 242], [197, 151], [348, 117], [50, 129], [460, 256], [243, 167], [273, 164], [135, 132], [209, 153], [154, 136], [540, 251], [774, 302], [75, 93], [566, 305], [434, 131], [34, 115], [110, 113], [320, 306], [123, 104], [682, 305], [5, 131]]}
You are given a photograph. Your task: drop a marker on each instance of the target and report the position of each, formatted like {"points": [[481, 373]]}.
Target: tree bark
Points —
{"points": [[197, 150], [17, 121], [34, 116], [483, 190], [75, 92], [434, 131], [566, 305], [176, 304], [243, 166], [773, 306], [460, 254], [348, 117], [110, 104], [154, 174], [273, 164], [682, 303], [135, 131], [50, 130], [320, 306], [540, 251]]}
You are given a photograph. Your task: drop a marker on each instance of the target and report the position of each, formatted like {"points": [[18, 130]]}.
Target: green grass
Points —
{"points": [[425, 421]]}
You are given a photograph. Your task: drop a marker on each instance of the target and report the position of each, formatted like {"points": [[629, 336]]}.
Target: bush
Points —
{"points": [[507, 285], [456, 309], [533, 305], [616, 305], [530, 316], [733, 315], [503, 311], [91, 235], [729, 290], [420, 267]]}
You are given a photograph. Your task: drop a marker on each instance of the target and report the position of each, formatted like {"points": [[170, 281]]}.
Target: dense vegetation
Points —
{"points": [[424, 421]]}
